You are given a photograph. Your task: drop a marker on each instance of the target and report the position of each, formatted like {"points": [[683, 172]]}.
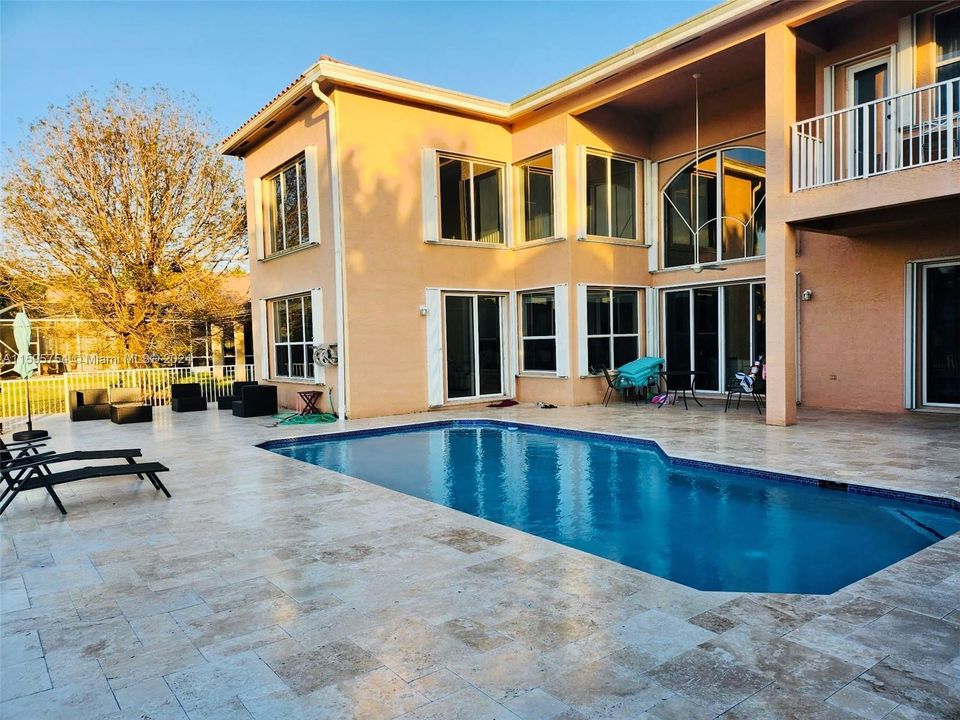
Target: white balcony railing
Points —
{"points": [[918, 127]]}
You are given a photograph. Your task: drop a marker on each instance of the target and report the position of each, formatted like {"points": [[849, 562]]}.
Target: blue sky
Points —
{"points": [[234, 56]]}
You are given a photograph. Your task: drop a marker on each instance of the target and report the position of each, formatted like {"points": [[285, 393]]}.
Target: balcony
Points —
{"points": [[911, 129]]}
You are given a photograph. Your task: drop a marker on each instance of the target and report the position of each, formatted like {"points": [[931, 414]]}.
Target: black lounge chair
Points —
{"points": [[30, 469], [226, 401], [187, 397], [256, 400]]}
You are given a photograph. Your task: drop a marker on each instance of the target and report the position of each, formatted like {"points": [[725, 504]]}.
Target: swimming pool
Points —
{"points": [[711, 527]]}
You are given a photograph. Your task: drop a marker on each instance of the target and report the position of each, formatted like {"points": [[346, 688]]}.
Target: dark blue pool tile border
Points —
{"points": [[770, 475]]}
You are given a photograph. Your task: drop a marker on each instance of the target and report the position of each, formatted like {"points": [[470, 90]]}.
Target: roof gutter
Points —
{"points": [[337, 212]]}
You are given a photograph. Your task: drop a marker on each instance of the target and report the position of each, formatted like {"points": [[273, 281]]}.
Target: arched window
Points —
{"points": [[730, 207]]}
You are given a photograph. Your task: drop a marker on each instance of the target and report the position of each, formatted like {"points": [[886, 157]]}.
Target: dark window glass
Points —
{"points": [[488, 218], [706, 344], [626, 312], [540, 355], [461, 365], [470, 210], [598, 312], [538, 198], [677, 310], [623, 200], [598, 353], [302, 200], [283, 360], [538, 314], [488, 339], [283, 334], [454, 181], [597, 196], [942, 369], [625, 349], [759, 321], [737, 330]]}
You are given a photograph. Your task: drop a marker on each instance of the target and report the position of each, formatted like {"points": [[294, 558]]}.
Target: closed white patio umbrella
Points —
{"points": [[25, 365]]}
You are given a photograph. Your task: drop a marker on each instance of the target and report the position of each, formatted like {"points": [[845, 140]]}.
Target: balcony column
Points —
{"points": [[781, 244]]}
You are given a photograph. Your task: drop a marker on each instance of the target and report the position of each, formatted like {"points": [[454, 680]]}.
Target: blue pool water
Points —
{"points": [[710, 528]]}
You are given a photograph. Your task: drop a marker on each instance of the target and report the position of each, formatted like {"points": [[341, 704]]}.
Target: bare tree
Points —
{"points": [[124, 210]]}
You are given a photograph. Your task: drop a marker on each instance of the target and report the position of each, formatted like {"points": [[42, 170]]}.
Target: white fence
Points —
{"points": [[918, 127], [50, 394]]}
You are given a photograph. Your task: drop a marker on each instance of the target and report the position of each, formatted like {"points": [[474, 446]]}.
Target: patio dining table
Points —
{"points": [[680, 381]]}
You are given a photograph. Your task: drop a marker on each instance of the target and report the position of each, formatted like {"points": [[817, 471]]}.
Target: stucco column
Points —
{"points": [[781, 245]]}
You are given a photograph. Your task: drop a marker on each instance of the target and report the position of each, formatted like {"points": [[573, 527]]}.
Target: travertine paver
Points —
{"points": [[270, 588]]}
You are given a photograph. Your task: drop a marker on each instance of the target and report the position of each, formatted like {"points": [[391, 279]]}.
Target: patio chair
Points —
{"points": [[757, 391], [90, 404], [256, 400], [187, 397], [127, 406], [32, 473], [226, 402], [614, 385]]}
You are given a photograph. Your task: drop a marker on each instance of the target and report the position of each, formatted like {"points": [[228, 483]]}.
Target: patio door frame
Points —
{"points": [[505, 365], [722, 370], [855, 138], [915, 334], [922, 335]]}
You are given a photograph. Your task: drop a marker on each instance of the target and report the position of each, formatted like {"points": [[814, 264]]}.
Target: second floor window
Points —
{"points": [[714, 210], [471, 200], [611, 197], [947, 30], [293, 337], [536, 178], [285, 194]]}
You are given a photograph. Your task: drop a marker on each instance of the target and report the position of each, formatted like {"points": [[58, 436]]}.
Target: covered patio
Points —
{"points": [[270, 588]]}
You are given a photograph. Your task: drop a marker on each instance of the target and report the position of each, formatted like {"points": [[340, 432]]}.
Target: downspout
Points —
{"points": [[337, 213]]}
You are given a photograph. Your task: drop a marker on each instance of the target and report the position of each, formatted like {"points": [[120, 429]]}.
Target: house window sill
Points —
{"points": [[538, 243], [468, 243], [289, 251], [612, 241]]}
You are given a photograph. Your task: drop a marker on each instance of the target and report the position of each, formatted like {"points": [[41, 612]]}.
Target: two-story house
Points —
{"points": [[772, 179]]}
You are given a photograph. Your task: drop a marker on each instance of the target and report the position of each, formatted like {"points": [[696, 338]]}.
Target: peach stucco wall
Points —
{"points": [[301, 270], [852, 330]]}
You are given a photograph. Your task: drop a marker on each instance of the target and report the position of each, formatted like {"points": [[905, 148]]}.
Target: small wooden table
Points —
{"points": [[310, 398]]}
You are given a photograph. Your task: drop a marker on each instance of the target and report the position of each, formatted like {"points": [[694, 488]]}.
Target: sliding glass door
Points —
{"points": [[715, 330], [940, 330], [473, 340]]}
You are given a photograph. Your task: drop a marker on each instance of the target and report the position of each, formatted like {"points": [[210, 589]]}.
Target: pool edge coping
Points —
{"points": [[913, 496]]}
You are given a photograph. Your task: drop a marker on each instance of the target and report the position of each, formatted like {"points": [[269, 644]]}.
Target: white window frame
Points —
{"points": [[637, 179], [721, 288], [937, 64], [439, 155], [610, 289], [523, 186], [666, 206], [307, 343], [273, 216], [505, 365], [556, 325]]}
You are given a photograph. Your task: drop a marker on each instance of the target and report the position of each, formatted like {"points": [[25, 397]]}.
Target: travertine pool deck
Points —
{"points": [[270, 588]]}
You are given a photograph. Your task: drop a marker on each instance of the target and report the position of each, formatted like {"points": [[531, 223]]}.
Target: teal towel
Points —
{"points": [[640, 372]]}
